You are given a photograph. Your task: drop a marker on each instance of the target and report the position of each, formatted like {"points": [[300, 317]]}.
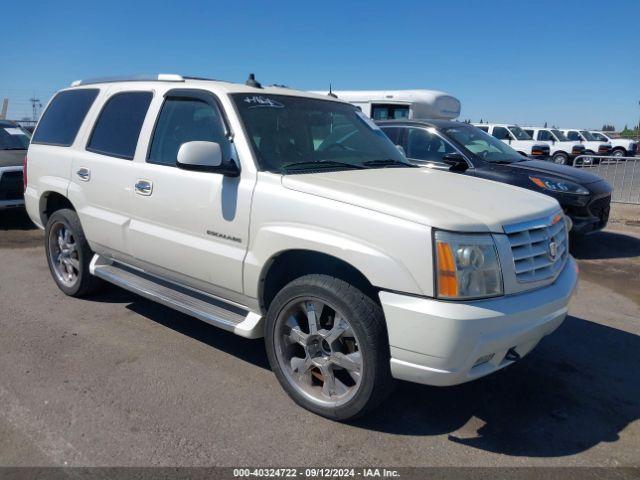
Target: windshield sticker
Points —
{"points": [[260, 101], [370, 123], [14, 131]]}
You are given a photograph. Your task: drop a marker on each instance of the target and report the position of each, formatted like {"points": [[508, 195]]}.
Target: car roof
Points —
{"points": [[221, 86], [435, 123]]}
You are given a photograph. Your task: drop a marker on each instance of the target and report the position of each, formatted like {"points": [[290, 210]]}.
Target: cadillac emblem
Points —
{"points": [[553, 250]]}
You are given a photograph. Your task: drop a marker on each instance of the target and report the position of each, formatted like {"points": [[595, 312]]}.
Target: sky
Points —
{"points": [[565, 62]]}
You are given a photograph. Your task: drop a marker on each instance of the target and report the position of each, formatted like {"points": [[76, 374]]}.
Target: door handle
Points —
{"points": [[84, 174], [144, 187]]}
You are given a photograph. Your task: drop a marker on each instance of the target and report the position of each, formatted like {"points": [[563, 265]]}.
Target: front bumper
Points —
{"points": [[11, 189], [439, 343]]}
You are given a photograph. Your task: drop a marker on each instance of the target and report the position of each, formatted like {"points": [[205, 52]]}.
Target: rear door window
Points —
{"points": [[61, 120], [118, 127], [394, 134]]}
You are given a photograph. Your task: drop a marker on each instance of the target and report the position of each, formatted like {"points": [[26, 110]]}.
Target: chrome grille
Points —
{"points": [[532, 244]]}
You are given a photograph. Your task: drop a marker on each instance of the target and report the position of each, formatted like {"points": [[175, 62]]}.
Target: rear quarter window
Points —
{"points": [[61, 120]]}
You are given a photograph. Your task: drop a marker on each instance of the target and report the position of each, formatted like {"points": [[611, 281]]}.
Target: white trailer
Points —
{"points": [[399, 104]]}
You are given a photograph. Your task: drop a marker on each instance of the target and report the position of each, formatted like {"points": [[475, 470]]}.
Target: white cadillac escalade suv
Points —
{"points": [[274, 213]]}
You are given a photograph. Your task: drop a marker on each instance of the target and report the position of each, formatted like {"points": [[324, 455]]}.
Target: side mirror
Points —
{"points": [[205, 157], [456, 162]]}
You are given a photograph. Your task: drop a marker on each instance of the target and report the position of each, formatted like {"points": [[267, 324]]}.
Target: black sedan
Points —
{"points": [[14, 142], [465, 149]]}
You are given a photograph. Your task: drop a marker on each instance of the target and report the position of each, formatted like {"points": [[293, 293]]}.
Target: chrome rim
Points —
{"points": [[63, 254], [318, 351], [559, 159]]}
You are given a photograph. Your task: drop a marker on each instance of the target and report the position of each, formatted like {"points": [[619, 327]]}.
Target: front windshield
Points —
{"points": [[561, 137], [519, 133], [599, 136], [13, 137], [483, 145], [297, 133], [588, 136]]}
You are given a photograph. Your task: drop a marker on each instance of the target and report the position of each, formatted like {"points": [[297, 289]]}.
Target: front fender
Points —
{"points": [[382, 269]]}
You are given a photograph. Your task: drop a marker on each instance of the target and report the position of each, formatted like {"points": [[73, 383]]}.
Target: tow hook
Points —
{"points": [[512, 355]]}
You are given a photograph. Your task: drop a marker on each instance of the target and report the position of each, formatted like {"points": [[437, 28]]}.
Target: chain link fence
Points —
{"points": [[622, 173]]}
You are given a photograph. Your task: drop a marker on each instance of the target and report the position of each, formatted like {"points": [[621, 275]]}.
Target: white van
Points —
{"points": [[401, 104], [516, 138], [563, 151]]}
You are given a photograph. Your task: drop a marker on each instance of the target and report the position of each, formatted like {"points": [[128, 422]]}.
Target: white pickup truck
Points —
{"points": [[621, 147], [516, 138], [275, 213]]}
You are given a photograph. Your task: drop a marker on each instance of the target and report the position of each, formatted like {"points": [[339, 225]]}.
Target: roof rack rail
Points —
{"points": [[162, 77]]}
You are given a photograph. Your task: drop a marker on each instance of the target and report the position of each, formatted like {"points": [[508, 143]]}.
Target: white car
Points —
{"points": [[621, 147], [562, 150], [274, 213], [592, 145], [516, 138]]}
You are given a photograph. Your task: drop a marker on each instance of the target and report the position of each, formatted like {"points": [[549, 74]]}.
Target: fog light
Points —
{"points": [[483, 359]]}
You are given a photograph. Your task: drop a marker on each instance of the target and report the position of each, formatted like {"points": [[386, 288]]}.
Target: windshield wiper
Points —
{"points": [[320, 164], [13, 148], [388, 162]]}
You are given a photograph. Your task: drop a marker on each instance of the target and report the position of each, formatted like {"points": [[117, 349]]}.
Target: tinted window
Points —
{"points": [[394, 134], [529, 132], [501, 133], [426, 146], [182, 120], [484, 129], [61, 120], [389, 112], [573, 136], [12, 137], [544, 135], [118, 127]]}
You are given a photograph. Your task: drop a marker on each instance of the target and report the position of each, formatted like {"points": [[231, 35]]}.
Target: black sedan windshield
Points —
{"points": [[483, 145], [13, 138], [293, 134]]}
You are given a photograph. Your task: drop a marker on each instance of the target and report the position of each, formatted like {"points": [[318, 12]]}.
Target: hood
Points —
{"points": [[577, 175], [429, 197], [12, 158]]}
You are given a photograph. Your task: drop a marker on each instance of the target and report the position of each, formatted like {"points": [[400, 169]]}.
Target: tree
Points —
{"points": [[608, 128]]}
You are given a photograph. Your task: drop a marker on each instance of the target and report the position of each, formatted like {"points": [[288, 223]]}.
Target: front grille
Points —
{"points": [[11, 187], [533, 245], [600, 208]]}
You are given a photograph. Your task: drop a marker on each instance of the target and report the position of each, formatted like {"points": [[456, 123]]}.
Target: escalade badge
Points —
{"points": [[553, 249]]}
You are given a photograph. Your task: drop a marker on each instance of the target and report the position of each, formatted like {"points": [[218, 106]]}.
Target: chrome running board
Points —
{"points": [[197, 304]]}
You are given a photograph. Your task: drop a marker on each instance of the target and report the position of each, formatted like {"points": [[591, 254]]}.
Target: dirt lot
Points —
{"points": [[118, 380]]}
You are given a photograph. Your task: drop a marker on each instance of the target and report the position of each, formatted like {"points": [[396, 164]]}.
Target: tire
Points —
{"points": [[316, 382], [619, 152], [69, 255], [594, 161], [560, 158]]}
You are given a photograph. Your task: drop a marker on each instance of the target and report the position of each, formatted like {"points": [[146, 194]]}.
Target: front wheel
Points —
{"points": [[327, 345], [619, 153], [68, 254], [560, 158]]}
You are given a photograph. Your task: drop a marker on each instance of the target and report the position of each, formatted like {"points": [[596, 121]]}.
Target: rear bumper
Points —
{"points": [[440, 343]]}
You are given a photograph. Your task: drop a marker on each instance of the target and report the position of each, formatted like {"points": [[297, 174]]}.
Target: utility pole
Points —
{"points": [[5, 107], [35, 104]]}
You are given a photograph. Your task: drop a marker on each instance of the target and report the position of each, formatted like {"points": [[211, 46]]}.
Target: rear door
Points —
{"points": [[190, 226], [102, 173]]}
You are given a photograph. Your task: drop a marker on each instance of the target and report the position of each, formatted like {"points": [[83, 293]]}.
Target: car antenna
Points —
{"points": [[252, 82], [331, 94]]}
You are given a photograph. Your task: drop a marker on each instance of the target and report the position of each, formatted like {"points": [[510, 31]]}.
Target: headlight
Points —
{"points": [[467, 266], [561, 186]]}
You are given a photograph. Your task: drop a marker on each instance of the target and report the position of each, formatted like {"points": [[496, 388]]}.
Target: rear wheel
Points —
{"points": [[327, 345], [68, 254], [560, 158]]}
